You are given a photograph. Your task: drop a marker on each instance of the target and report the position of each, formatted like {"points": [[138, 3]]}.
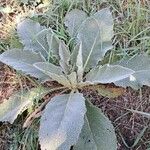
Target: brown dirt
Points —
{"points": [[5, 138], [128, 125], [10, 81], [7, 82]]}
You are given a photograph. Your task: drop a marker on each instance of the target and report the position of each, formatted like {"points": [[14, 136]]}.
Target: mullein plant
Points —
{"points": [[70, 120]]}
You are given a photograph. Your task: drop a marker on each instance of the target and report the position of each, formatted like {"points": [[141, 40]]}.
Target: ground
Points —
{"points": [[133, 132], [128, 125], [131, 37]]}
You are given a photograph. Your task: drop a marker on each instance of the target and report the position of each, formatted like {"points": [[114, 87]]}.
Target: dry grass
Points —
{"points": [[13, 11]]}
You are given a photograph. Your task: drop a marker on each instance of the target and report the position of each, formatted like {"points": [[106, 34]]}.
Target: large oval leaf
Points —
{"points": [[96, 33], [27, 31], [37, 38], [62, 121], [141, 65], [97, 133], [108, 74], [16, 104], [73, 21], [23, 61]]}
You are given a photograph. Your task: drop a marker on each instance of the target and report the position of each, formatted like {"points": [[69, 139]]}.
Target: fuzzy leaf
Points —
{"points": [[97, 133], [48, 68], [64, 54], [74, 55], [96, 34], [23, 61], [48, 43], [27, 31], [73, 20], [53, 42], [108, 74], [54, 72], [141, 65], [62, 121], [79, 64], [16, 104], [73, 79], [37, 38]]}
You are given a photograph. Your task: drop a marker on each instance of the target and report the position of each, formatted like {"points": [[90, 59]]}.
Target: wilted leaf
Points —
{"points": [[23, 61], [97, 133], [73, 21], [107, 91], [108, 74], [62, 121], [16, 104], [141, 65], [96, 34]]}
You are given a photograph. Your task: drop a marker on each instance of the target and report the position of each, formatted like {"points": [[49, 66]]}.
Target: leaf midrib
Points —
{"points": [[92, 48], [91, 132]]}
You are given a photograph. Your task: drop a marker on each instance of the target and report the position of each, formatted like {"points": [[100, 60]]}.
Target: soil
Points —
{"points": [[6, 82], [127, 125]]}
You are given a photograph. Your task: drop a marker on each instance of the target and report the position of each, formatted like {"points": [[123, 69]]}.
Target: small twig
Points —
{"points": [[37, 113], [29, 121], [33, 114]]}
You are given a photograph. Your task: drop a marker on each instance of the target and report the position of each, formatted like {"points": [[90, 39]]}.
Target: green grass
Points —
{"points": [[25, 139], [131, 27]]}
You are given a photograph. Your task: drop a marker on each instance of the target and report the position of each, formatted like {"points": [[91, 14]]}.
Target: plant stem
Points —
{"points": [[37, 112]]}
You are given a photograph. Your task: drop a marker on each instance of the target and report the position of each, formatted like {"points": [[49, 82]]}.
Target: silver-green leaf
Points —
{"points": [[141, 65], [74, 54], [73, 21], [53, 43], [96, 33], [79, 64], [97, 133], [54, 72], [62, 121], [27, 31], [23, 61], [73, 79], [108, 74], [17, 103], [64, 55], [48, 68], [38, 38]]}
